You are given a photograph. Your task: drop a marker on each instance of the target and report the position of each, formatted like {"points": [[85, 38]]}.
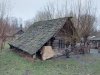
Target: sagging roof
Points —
{"points": [[38, 34]]}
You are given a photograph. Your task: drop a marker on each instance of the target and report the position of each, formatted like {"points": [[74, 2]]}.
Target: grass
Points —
{"points": [[13, 64]]}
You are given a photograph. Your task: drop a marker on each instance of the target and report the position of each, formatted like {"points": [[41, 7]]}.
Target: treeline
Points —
{"points": [[8, 25]]}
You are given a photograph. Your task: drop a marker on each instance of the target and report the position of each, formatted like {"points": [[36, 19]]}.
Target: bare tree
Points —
{"points": [[4, 29], [46, 14], [4, 25], [28, 23], [84, 20]]}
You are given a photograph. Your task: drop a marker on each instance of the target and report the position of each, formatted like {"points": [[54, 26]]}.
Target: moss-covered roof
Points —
{"points": [[38, 34]]}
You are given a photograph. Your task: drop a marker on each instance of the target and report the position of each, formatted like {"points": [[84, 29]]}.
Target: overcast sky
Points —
{"points": [[27, 9]]}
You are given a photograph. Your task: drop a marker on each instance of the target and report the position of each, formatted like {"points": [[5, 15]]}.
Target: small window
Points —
{"points": [[61, 44]]}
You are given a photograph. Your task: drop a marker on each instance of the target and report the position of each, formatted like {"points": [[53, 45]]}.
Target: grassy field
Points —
{"points": [[12, 64]]}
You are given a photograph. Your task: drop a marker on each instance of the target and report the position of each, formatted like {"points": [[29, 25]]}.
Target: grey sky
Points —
{"points": [[27, 9]]}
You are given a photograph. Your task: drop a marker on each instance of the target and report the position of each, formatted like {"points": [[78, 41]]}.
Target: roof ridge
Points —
{"points": [[52, 19]]}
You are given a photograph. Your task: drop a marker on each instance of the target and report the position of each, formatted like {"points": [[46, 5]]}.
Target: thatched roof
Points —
{"points": [[38, 34]]}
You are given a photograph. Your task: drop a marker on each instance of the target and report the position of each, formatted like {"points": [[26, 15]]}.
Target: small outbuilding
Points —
{"points": [[46, 39], [95, 39], [18, 32]]}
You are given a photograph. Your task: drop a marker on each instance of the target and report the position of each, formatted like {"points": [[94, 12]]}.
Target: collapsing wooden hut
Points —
{"points": [[45, 38]]}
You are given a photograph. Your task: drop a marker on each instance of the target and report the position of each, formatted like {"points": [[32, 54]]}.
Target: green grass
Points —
{"points": [[13, 64]]}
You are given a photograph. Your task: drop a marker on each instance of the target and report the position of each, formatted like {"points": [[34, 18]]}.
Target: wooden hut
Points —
{"points": [[45, 38]]}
